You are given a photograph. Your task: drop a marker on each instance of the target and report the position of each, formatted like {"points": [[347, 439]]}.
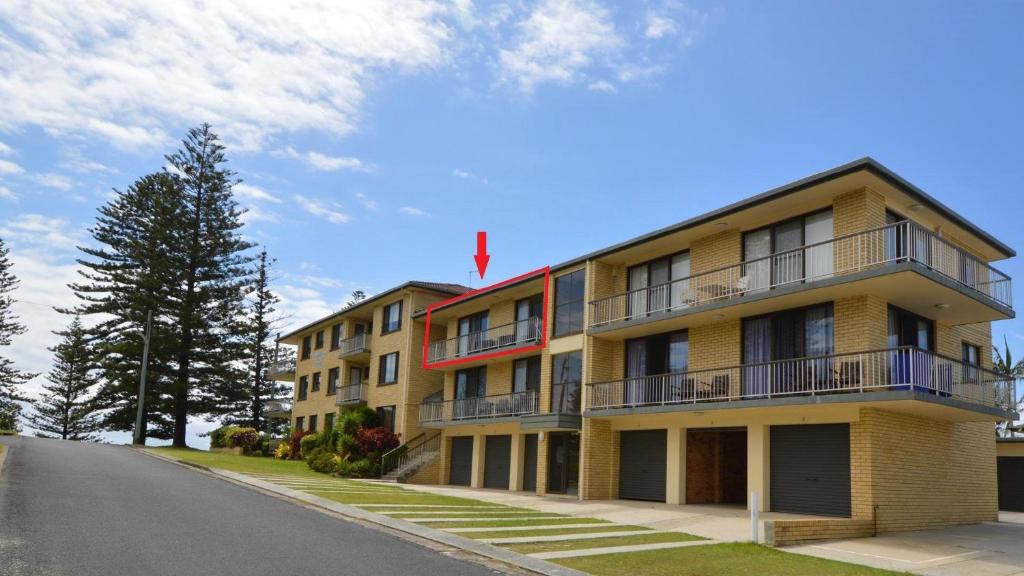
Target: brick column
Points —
{"points": [[515, 468], [477, 476], [759, 465], [675, 476]]}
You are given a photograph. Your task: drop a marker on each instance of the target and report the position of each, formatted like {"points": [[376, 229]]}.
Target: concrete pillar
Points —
{"points": [[675, 469], [477, 476], [515, 467], [758, 464]]}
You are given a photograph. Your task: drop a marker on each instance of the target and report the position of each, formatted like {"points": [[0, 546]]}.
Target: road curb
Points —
{"points": [[474, 547], [3, 458]]}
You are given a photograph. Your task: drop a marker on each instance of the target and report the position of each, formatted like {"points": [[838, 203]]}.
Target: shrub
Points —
{"points": [[322, 460], [217, 437], [264, 445], [294, 447], [245, 438], [356, 417], [307, 443], [364, 468], [376, 440], [283, 451]]}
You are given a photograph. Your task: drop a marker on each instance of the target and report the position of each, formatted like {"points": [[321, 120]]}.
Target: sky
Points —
{"points": [[375, 138]]}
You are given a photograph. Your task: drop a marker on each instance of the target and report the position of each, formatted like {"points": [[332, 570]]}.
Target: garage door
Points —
{"points": [[460, 470], [530, 463], [810, 469], [1011, 483], [642, 465], [497, 452]]}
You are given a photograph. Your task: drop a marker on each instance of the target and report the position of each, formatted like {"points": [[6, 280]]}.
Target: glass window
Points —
{"points": [[307, 345], [569, 296], [316, 382], [392, 318], [303, 387], [388, 369], [659, 285], [300, 423], [336, 336], [329, 421], [319, 341], [312, 423], [971, 354], [471, 383], [566, 378], [909, 329], [526, 374], [386, 417], [333, 375]]}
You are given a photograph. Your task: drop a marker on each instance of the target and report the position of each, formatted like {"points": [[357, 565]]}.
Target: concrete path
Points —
{"points": [[618, 549], [521, 528], [564, 537]]}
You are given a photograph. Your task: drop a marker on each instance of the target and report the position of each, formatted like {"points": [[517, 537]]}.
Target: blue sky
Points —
{"points": [[376, 139]]}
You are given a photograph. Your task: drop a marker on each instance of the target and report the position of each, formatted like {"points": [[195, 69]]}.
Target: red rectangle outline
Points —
{"points": [[543, 323]]}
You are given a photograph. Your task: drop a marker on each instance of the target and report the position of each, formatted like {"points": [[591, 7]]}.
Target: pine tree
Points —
{"points": [[170, 244], [10, 377], [259, 326], [66, 410]]}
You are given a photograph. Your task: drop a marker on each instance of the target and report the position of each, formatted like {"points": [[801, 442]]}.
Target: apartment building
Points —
{"points": [[825, 345], [368, 353]]}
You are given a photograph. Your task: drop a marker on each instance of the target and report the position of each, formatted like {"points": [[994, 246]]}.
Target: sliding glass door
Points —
{"points": [[656, 368], [788, 352], [659, 285], [789, 252]]}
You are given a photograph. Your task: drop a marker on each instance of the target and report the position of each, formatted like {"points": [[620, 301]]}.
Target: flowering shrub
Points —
{"points": [[375, 440], [283, 451], [245, 438], [294, 443]]}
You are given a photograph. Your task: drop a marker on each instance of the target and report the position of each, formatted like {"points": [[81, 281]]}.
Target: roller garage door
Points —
{"points": [[642, 465], [460, 469], [810, 469], [1011, 483], [497, 453]]}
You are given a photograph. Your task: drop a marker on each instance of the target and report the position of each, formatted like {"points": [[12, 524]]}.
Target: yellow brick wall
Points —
{"points": [[715, 251], [381, 345], [861, 324], [542, 465], [599, 466], [920, 473], [857, 211], [322, 360], [949, 340]]}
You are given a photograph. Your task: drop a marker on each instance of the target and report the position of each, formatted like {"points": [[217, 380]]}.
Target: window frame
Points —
{"points": [[333, 383], [533, 369], [382, 420], [303, 393], [307, 347], [318, 340], [313, 421], [300, 423], [315, 385], [336, 336], [329, 421], [381, 369], [557, 305], [384, 317], [554, 381]]}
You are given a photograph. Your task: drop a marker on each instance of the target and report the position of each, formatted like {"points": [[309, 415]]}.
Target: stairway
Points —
{"points": [[405, 461], [411, 467]]}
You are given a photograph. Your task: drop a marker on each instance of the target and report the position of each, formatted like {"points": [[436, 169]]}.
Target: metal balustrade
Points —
{"points": [[413, 453], [497, 406], [905, 368], [520, 333], [352, 393], [354, 345], [891, 244]]}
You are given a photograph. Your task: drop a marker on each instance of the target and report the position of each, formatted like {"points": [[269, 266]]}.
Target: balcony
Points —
{"points": [[952, 275], [473, 410], [355, 346], [913, 371], [282, 370], [519, 334], [352, 394]]}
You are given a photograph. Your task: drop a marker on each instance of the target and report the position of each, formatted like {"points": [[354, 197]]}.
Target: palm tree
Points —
{"points": [[1004, 365]]}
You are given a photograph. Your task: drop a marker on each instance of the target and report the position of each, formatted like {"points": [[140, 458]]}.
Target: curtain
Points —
{"points": [[787, 267], [680, 291], [638, 291], [818, 228], [756, 349], [757, 244], [636, 369]]}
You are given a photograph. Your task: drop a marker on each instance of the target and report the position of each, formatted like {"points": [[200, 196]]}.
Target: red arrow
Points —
{"points": [[481, 257]]}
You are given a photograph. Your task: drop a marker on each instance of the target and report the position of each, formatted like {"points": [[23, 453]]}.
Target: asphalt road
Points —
{"points": [[88, 509]]}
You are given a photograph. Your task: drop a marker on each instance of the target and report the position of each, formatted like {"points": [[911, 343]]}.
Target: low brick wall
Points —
{"points": [[790, 532]]}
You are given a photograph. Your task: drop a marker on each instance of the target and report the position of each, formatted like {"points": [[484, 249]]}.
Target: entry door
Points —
{"points": [[563, 462], [642, 465], [530, 463], [460, 470], [810, 469], [497, 453]]}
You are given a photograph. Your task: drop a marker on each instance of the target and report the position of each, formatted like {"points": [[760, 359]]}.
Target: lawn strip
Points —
{"points": [[732, 558], [517, 522], [554, 546], [407, 497], [549, 531]]}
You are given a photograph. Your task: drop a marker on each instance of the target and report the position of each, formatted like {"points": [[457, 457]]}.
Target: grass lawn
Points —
{"points": [[463, 514], [655, 538], [716, 559], [399, 496], [549, 531], [243, 464], [514, 522]]}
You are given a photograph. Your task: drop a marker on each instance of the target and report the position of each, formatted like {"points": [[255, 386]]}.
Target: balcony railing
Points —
{"points": [[514, 335], [890, 244], [354, 345], [905, 368], [281, 367], [497, 406], [352, 394]]}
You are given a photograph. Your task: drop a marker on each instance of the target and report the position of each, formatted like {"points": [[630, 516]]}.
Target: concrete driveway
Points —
{"points": [[990, 549]]}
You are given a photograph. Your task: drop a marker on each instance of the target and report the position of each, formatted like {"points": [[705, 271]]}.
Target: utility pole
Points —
{"points": [[140, 420]]}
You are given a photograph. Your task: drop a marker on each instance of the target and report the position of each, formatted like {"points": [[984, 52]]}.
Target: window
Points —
{"points": [[972, 362], [312, 423], [655, 356], [526, 375], [303, 387], [307, 345], [319, 341], [785, 335], [569, 303], [316, 382], [337, 333], [333, 375], [909, 329], [388, 373], [473, 332], [329, 421], [471, 383], [386, 417], [355, 375], [566, 377], [669, 274], [528, 314], [300, 423], [391, 318], [790, 263]]}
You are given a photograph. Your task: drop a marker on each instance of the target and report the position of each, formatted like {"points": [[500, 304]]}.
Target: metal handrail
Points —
{"points": [[352, 344], [513, 334], [495, 406], [400, 457], [903, 368], [893, 243], [353, 393]]}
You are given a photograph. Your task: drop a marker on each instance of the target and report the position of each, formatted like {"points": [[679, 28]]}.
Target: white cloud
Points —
{"points": [[131, 72], [7, 194], [602, 86], [324, 162], [36, 231], [51, 180], [8, 167], [5, 150], [366, 201], [412, 211], [255, 213], [89, 166], [659, 26], [465, 175], [557, 42], [674, 19], [251, 193], [332, 213]]}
